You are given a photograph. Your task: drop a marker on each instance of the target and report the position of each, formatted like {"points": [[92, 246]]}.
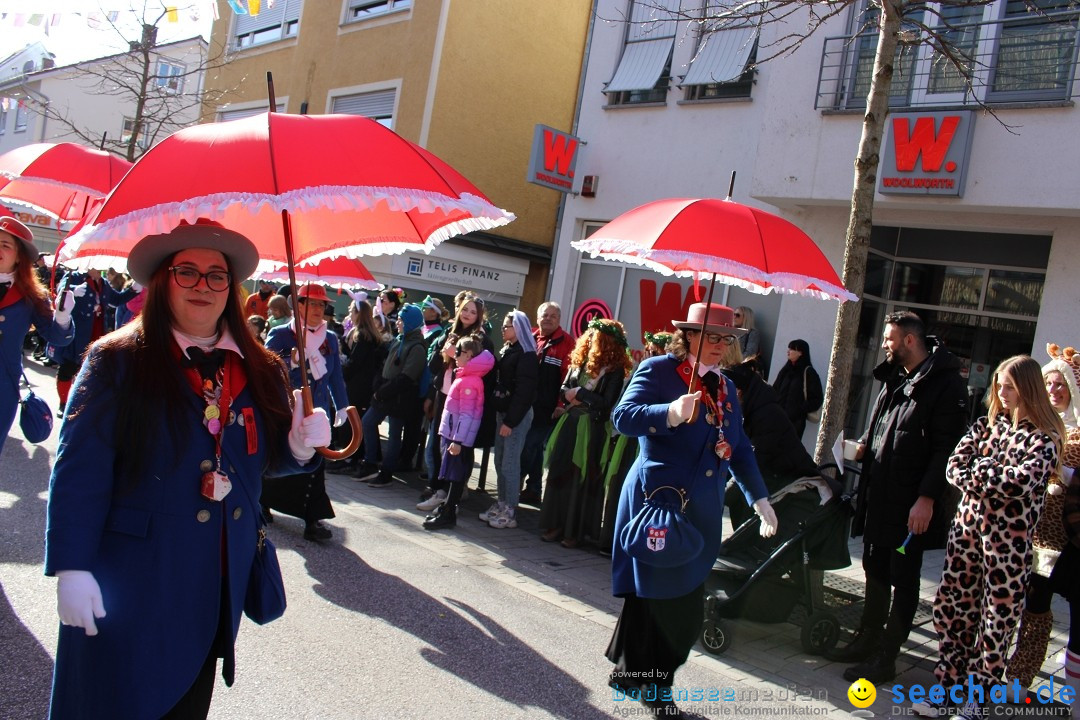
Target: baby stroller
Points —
{"points": [[764, 579]]}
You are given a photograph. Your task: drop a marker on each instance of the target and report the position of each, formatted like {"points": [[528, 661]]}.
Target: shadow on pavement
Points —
{"points": [[24, 477], [26, 670], [496, 662]]}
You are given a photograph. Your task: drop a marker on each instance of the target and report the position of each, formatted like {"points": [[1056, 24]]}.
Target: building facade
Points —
{"points": [[975, 222], [466, 79], [93, 97]]}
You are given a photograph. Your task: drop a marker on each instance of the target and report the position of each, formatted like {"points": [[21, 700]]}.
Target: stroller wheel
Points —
{"points": [[715, 637], [820, 633]]}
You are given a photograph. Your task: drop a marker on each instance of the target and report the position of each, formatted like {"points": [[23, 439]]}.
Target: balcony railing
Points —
{"points": [[1017, 60]]}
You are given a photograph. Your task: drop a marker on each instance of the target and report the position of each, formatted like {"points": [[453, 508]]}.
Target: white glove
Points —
{"points": [[764, 510], [307, 433], [78, 599], [679, 411], [136, 287], [341, 417], [79, 290], [62, 316]]}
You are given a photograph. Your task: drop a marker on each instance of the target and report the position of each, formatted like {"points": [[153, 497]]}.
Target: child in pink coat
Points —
{"points": [[460, 420]]}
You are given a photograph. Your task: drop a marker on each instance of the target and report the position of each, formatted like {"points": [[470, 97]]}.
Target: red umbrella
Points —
{"points": [[733, 243], [341, 272], [736, 244], [301, 187], [349, 185], [61, 179]]}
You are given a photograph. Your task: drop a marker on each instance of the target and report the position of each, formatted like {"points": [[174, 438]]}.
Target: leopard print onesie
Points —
{"points": [[1002, 473]]}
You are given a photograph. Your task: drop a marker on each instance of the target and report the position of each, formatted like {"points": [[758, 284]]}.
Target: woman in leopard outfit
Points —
{"points": [[1001, 466], [1056, 563]]}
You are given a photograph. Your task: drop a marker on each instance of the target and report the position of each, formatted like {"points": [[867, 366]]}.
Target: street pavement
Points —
{"points": [[389, 620]]}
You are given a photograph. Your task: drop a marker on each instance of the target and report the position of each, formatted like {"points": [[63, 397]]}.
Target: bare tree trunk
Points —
{"points": [[860, 222]]}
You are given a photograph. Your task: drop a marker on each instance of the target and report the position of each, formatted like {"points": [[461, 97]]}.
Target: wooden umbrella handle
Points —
{"points": [[354, 443]]}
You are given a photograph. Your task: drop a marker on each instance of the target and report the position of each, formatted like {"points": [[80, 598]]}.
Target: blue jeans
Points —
{"points": [[432, 451], [372, 418], [508, 457], [532, 455]]}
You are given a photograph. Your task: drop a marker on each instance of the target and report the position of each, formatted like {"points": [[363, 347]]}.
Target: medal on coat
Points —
{"points": [[215, 484], [722, 447]]}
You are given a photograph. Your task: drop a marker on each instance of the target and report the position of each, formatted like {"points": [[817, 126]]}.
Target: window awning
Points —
{"points": [[377, 104], [641, 65], [723, 56]]}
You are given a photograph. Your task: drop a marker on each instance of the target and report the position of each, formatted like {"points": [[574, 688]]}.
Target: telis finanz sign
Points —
{"points": [[554, 159], [926, 153]]}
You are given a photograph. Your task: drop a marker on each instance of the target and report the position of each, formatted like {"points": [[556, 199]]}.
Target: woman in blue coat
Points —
{"points": [[23, 300], [663, 607], [153, 502], [305, 497]]}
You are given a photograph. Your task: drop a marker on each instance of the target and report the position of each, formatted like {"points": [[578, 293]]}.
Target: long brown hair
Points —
{"points": [[1026, 375], [596, 350], [365, 324], [27, 280], [459, 329], [155, 385]]}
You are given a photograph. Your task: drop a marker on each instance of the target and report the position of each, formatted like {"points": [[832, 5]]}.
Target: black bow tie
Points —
{"points": [[711, 381], [207, 363]]}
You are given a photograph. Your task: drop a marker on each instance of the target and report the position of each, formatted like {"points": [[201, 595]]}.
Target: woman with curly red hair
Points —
{"points": [[574, 492]]}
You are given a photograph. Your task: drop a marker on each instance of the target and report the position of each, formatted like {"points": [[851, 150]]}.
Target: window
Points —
{"points": [[5, 103], [357, 10], [723, 64], [378, 105], [128, 129], [170, 77], [644, 70], [21, 112], [1007, 50], [278, 22], [226, 115]]}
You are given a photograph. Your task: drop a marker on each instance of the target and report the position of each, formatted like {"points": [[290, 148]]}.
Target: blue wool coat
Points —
{"points": [[165, 557], [16, 315], [677, 456], [328, 392]]}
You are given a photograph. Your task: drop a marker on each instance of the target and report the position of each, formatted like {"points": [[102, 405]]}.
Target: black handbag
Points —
{"points": [[264, 600]]}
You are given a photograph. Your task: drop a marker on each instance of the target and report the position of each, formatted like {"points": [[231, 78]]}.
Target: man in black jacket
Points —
{"points": [[918, 417], [553, 346]]}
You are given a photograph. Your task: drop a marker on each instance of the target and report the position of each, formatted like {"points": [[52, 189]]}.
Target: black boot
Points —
{"points": [[445, 516], [863, 644], [880, 668]]}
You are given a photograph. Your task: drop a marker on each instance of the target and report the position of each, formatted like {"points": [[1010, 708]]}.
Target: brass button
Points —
{"points": [[237, 513], [2, 318], [203, 515], [708, 473], [232, 470], [206, 465], [652, 429]]}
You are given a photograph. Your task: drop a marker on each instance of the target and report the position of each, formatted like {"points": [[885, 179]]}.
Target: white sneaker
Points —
{"points": [[491, 512], [504, 519], [972, 711], [436, 499]]}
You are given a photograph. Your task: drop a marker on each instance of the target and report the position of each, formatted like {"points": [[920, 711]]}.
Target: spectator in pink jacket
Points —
{"points": [[460, 421]]}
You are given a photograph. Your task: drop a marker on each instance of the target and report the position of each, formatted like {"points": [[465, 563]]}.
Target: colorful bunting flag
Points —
{"points": [[238, 7]]}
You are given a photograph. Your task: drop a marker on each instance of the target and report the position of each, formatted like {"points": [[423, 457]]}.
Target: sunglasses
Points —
{"points": [[738, 314]]}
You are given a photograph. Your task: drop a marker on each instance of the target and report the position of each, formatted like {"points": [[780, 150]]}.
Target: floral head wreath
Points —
{"points": [[611, 328], [397, 291], [660, 339]]}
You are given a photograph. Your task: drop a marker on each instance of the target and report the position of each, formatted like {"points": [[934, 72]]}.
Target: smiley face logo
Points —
{"points": [[862, 693]]}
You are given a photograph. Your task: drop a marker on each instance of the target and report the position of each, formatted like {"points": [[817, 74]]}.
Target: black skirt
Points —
{"points": [[302, 496], [653, 638]]}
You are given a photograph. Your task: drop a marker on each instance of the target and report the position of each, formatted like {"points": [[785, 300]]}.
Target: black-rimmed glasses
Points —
{"points": [[717, 338], [188, 277]]}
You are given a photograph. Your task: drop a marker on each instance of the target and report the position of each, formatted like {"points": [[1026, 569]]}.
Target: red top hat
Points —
{"points": [[313, 292], [719, 319], [12, 226]]}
